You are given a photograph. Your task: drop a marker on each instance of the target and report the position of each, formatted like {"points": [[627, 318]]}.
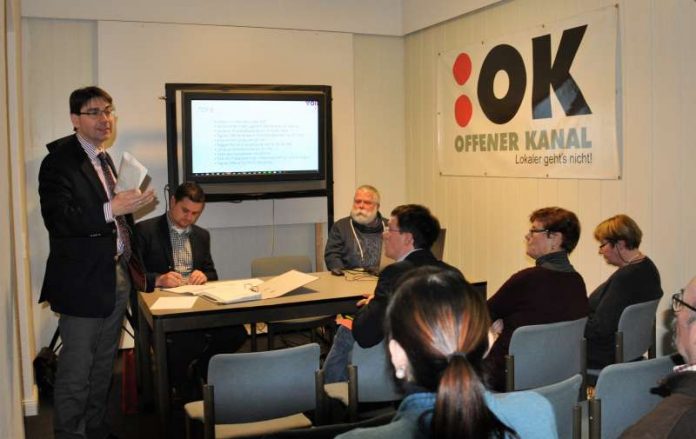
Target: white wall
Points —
{"points": [[134, 60], [419, 14], [356, 16], [487, 217]]}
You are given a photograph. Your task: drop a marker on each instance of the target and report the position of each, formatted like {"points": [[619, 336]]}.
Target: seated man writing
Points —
{"points": [[176, 252]]}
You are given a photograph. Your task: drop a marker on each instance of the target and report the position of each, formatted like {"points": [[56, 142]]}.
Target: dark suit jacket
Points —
{"points": [[80, 277], [156, 249], [368, 325]]}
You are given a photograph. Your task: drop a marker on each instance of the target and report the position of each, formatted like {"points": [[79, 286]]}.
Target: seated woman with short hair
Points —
{"points": [[551, 291], [437, 327], [635, 281]]}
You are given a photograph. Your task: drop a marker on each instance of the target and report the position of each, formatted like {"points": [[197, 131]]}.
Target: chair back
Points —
{"points": [[258, 386], [622, 395], [375, 382], [275, 265], [636, 325], [438, 247], [563, 397], [545, 354]]}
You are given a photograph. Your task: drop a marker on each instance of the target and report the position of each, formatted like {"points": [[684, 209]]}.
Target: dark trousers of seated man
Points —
{"points": [[85, 367]]}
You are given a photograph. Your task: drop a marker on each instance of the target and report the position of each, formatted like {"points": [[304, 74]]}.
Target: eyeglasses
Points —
{"points": [[533, 231], [390, 230], [678, 302], [108, 112], [601, 245]]}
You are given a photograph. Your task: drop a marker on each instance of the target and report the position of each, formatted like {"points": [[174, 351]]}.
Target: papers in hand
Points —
{"points": [[223, 292], [234, 291], [131, 173]]}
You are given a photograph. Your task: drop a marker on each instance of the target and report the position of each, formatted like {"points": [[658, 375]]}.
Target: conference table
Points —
{"points": [[327, 295]]}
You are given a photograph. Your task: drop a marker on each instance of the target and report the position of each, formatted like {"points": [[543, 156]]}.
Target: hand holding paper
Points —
{"points": [[131, 173]]}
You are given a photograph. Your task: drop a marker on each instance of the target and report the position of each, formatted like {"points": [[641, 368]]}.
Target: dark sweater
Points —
{"points": [[532, 296], [675, 416], [631, 284]]}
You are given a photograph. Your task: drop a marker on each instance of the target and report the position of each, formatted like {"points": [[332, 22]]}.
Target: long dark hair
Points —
{"points": [[442, 324]]}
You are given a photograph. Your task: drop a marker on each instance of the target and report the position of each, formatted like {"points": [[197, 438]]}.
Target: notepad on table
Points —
{"points": [[223, 292]]}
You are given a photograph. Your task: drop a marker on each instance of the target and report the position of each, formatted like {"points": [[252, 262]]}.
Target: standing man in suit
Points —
{"points": [[410, 233], [177, 252], [87, 280]]}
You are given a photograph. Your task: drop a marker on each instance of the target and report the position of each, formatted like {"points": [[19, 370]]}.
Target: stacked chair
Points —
{"points": [[370, 380], [622, 395], [541, 355], [257, 393], [635, 334], [563, 397]]}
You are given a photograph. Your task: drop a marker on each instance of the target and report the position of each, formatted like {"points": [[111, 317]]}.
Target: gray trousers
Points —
{"points": [[85, 366]]}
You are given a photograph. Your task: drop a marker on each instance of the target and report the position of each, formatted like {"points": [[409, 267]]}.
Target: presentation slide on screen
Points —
{"points": [[254, 136]]}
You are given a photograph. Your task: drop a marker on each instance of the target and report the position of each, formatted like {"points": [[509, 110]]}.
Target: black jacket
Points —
{"points": [[368, 325], [156, 248], [80, 277]]}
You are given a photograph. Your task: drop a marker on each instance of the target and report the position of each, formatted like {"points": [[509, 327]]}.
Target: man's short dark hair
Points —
{"points": [[189, 190], [81, 96], [419, 222]]}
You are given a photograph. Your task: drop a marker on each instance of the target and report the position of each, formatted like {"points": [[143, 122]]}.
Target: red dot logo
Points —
{"points": [[461, 70], [463, 110]]}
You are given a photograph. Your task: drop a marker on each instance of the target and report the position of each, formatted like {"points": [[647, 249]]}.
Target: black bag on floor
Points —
{"points": [[188, 355], [45, 366]]}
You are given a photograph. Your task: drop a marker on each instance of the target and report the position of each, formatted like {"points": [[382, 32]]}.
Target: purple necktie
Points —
{"points": [[107, 169]]}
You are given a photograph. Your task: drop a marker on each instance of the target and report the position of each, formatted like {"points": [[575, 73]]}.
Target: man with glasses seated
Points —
{"points": [[675, 415], [410, 233], [356, 240]]}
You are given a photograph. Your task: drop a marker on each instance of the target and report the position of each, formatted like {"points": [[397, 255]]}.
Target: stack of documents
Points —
{"points": [[224, 292], [233, 291]]}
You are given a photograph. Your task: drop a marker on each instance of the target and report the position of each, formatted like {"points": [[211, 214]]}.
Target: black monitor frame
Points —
{"points": [[322, 187]]}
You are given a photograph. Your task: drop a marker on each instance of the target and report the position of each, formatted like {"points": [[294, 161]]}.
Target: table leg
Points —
{"points": [[144, 364], [162, 378]]}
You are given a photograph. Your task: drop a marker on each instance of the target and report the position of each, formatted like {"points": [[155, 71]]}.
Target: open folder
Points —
{"points": [[226, 292]]}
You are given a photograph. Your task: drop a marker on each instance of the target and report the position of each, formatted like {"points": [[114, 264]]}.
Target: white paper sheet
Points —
{"points": [[223, 292], [131, 173], [164, 303], [284, 283]]}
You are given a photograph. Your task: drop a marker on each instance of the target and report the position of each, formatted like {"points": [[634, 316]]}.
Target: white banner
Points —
{"points": [[540, 103]]}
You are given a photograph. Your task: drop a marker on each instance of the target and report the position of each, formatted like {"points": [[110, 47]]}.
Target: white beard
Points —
{"points": [[363, 217]]}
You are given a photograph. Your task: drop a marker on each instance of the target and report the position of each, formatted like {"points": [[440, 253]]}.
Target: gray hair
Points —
{"points": [[372, 189]]}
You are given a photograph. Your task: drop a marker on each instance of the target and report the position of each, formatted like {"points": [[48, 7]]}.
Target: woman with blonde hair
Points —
{"points": [[437, 327], [635, 281]]}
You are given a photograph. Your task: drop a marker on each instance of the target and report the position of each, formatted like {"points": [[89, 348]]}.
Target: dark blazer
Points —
{"points": [[368, 324], [80, 277], [156, 249]]}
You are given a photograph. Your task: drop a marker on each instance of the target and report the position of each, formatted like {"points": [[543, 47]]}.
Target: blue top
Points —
{"points": [[528, 413]]}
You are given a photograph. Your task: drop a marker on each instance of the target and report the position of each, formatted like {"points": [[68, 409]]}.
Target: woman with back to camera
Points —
{"points": [[635, 281], [437, 327], [551, 291]]}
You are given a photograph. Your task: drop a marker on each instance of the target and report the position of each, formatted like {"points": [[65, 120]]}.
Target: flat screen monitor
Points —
{"points": [[257, 141]]}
